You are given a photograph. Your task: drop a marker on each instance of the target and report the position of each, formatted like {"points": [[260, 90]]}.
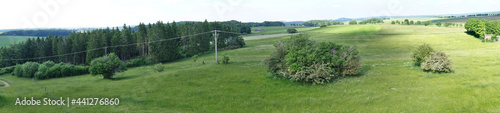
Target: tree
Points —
{"points": [[438, 23], [411, 22], [353, 22], [393, 22], [407, 22], [142, 36], [427, 23], [418, 23], [397, 21], [106, 66]]}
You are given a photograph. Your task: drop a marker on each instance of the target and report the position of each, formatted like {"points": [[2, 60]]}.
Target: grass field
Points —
{"points": [[1, 84], [388, 82], [7, 40]]}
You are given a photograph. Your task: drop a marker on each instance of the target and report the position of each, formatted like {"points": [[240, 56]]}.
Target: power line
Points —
{"points": [[95, 49]]}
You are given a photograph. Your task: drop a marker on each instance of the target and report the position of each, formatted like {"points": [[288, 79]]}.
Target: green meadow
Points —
{"points": [[7, 40], [388, 82]]}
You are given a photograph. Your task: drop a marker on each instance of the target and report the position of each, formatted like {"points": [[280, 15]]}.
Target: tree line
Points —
{"points": [[425, 23], [82, 47], [479, 28], [314, 23]]}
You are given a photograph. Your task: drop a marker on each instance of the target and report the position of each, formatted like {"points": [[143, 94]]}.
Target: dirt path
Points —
{"points": [[5, 83], [265, 36]]}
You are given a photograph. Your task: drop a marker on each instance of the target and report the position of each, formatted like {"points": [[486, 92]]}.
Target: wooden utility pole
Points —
{"points": [[215, 34]]}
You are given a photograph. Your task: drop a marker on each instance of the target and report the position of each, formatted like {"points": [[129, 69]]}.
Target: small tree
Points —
{"points": [[418, 23], [353, 22], [420, 53], [225, 59], [393, 22], [195, 57], [106, 66]]}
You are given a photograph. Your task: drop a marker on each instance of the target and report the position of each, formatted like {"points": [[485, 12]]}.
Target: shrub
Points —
{"points": [[6, 70], [291, 30], [294, 59], [138, 62], [195, 57], [159, 67], [437, 62], [29, 69], [106, 66], [18, 70], [225, 59], [420, 53], [322, 26], [42, 72], [318, 73]]}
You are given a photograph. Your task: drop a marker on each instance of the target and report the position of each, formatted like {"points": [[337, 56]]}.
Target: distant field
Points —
{"points": [[7, 40], [278, 30], [463, 20]]}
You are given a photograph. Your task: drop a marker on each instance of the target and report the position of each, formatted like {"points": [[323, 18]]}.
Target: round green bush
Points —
{"points": [[159, 67], [106, 66], [420, 53]]}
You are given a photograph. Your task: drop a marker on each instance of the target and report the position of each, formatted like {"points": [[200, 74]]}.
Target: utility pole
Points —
{"points": [[105, 50], [215, 31]]}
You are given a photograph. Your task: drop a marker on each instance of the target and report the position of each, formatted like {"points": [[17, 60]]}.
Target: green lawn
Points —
{"points": [[7, 40], [1, 84], [389, 82]]}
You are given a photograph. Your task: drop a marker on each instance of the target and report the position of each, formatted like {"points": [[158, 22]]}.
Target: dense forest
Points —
{"points": [[160, 42], [39, 32]]}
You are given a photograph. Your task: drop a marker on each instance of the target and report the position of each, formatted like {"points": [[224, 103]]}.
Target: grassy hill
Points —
{"points": [[388, 82], [7, 40]]}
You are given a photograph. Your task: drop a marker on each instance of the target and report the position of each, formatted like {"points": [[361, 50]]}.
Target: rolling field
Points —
{"points": [[7, 40], [388, 82]]}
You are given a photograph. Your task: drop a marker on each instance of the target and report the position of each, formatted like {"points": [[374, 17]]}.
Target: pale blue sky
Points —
{"points": [[102, 13]]}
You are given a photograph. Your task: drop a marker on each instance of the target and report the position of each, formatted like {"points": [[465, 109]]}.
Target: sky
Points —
{"points": [[109, 13]]}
